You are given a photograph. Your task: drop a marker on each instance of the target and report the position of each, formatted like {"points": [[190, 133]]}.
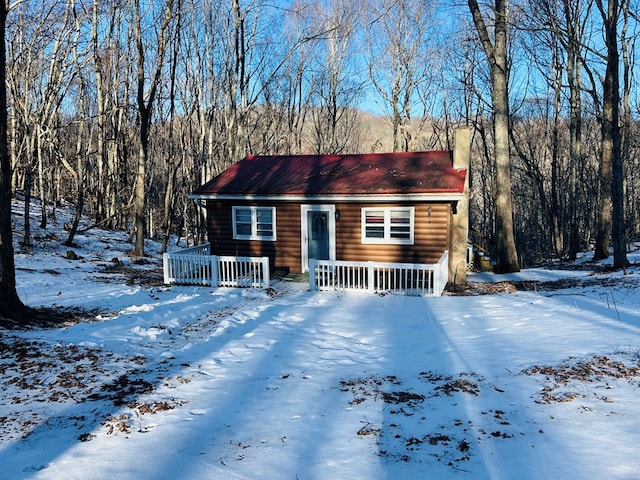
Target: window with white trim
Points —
{"points": [[254, 223], [388, 225]]}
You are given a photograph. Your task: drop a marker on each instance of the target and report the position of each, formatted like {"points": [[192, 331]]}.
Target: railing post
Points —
{"points": [[445, 272], [312, 274], [441, 274], [213, 261], [265, 272], [165, 268], [371, 277]]}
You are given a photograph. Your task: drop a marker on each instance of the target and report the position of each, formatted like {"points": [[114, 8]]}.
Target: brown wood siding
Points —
{"points": [[431, 235], [283, 253]]}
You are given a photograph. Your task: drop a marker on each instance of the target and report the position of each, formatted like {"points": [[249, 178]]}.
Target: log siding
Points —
{"points": [[432, 234]]}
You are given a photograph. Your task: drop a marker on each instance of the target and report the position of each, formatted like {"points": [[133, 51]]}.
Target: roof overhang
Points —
{"points": [[409, 197]]}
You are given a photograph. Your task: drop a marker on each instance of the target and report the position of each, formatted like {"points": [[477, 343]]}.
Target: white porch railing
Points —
{"points": [[399, 278], [195, 266]]}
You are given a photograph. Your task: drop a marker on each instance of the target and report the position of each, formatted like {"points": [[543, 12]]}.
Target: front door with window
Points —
{"points": [[318, 233]]}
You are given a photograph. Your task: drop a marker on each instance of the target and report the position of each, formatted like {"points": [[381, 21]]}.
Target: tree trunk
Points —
{"points": [[575, 146], [79, 203], [26, 232], [11, 307], [603, 235], [628, 51], [80, 167], [507, 257], [611, 225], [612, 141], [558, 239], [171, 165], [140, 199], [42, 188], [100, 115]]}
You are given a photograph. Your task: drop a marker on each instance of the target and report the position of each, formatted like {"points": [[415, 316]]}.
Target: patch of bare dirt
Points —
{"points": [[47, 317], [493, 288], [144, 277], [472, 289]]}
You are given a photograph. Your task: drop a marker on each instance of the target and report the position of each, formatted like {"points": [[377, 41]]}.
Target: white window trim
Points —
{"points": [[254, 224], [387, 240]]}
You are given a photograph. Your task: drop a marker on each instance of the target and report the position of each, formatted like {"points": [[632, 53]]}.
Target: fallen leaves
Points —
{"points": [[452, 441], [144, 408], [449, 442], [117, 424], [565, 382], [57, 374]]}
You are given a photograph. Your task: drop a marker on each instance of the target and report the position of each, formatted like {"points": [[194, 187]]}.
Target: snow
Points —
{"points": [[193, 382]]}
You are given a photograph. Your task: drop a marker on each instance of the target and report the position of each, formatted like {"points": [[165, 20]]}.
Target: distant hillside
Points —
{"points": [[377, 134]]}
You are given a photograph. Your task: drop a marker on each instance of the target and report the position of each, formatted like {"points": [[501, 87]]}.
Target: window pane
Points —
{"points": [[374, 224], [400, 232], [319, 230], [243, 215], [264, 227], [243, 221], [265, 215], [400, 217], [400, 224], [243, 229], [374, 232], [374, 216], [265, 230]]}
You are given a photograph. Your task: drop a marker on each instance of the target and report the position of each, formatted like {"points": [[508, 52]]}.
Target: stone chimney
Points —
{"points": [[462, 148], [460, 221]]}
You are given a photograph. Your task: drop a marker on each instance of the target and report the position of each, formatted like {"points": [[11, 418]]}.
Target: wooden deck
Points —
{"points": [[195, 266]]}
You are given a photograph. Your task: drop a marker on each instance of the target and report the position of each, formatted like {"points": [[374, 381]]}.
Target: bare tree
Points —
{"points": [[496, 52], [558, 30], [171, 158], [612, 222], [83, 138], [398, 40], [295, 70], [628, 38], [38, 83], [575, 23], [111, 77], [146, 93], [335, 87]]}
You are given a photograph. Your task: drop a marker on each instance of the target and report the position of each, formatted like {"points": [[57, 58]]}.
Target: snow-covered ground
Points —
{"points": [[197, 383]]}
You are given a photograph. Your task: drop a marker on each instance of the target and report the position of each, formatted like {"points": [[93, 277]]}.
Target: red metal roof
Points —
{"points": [[318, 175]]}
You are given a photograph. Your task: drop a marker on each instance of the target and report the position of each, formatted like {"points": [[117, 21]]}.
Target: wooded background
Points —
{"points": [[121, 108]]}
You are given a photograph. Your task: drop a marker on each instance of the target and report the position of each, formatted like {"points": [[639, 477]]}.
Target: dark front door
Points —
{"points": [[318, 234]]}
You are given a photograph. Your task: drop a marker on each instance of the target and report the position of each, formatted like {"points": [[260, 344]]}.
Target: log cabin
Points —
{"points": [[406, 207]]}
